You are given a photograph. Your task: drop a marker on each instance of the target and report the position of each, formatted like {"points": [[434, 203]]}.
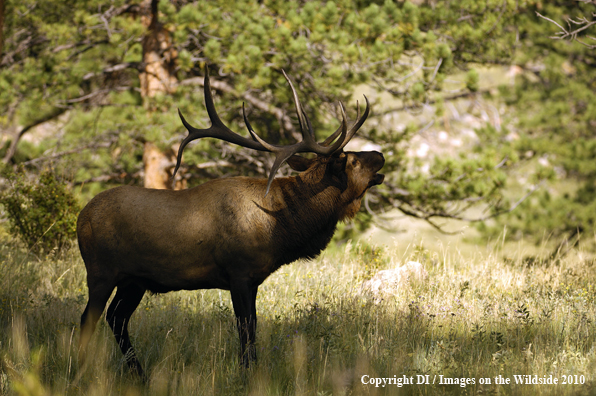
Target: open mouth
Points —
{"points": [[377, 161], [377, 179]]}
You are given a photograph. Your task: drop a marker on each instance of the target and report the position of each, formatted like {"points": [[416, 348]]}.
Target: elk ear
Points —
{"points": [[299, 163], [339, 164]]}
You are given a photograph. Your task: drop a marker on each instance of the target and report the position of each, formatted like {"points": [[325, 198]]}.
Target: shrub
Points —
{"points": [[42, 213]]}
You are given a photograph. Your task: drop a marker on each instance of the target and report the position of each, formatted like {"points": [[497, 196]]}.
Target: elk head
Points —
{"points": [[364, 164]]}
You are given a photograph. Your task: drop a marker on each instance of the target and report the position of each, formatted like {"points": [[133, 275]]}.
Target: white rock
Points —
{"points": [[390, 281], [422, 150]]}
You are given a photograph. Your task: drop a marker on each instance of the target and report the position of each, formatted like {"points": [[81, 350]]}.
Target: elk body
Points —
{"points": [[229, 233]]}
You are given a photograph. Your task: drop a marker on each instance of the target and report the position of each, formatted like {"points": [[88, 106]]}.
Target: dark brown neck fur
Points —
{"points": [[306, 210]]}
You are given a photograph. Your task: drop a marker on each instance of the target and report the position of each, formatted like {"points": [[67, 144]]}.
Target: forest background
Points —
{"points": [[487, 105], [484, 110]]}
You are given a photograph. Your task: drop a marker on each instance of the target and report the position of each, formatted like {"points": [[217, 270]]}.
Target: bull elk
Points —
{"points": [[228, 233]]}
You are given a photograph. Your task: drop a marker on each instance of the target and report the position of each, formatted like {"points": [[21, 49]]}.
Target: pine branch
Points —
{"points": [[15, 141]]}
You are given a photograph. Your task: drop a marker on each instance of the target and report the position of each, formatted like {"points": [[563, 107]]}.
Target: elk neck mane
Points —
{"points": [[306, 209]]}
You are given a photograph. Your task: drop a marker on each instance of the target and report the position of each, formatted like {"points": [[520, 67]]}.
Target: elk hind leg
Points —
{"points": [[123, 305], [99, 294]]}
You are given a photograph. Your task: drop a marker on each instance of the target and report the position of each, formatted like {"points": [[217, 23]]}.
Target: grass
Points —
{"points": [[477, 316]]}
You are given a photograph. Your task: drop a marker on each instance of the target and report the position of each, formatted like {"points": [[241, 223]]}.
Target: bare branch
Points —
{"points": [[88, 43], [67, 152], [456, 96], [571, 34], [115, 11], [106, 178], [15, 141], [552, 21], [139, 66], [439, 63], [410, 209], [95, 93], [213, 164]]}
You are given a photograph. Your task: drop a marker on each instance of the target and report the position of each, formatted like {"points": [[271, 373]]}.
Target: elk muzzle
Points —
{"points": [[374, 161]]}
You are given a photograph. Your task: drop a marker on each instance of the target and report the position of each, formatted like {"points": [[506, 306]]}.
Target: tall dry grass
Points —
{"points": [[478, 315]]}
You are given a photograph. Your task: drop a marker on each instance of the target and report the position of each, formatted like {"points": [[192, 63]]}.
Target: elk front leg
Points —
{"points": [[244, 298]]}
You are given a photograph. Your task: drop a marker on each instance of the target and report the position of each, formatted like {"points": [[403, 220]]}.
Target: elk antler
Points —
{"points": [[357, 124], [308, 144], [217, 130]]}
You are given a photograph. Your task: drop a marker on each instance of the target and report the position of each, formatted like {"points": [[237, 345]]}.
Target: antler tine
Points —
{"points": [[335, 134], [281, 156], [216, 130], [302, 118], [356, 125], [309, 139], [257, 138], [308, 143], [311, 131], [285, 152]]}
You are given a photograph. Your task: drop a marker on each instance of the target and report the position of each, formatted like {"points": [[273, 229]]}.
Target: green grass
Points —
{"points": [[478, 315]]}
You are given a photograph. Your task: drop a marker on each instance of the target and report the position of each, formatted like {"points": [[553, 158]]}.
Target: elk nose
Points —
{"points": [[373, 160], [380, 159]]}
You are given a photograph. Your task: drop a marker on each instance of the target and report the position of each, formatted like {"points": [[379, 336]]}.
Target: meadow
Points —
{"points": [[483, 312]]}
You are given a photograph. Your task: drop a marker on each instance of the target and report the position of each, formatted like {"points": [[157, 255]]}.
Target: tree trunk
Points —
{"points": [[158, 77], [158, 55], [158, 168]]}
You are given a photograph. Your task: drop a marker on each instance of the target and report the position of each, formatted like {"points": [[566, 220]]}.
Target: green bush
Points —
{"points": [[42, 213]]}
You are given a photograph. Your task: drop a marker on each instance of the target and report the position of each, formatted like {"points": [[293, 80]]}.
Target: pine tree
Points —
{"points": [[88, 66], [555, 102]]}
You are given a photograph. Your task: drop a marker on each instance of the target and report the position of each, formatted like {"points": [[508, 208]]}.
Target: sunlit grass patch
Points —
{"points": [[476, 316]]}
